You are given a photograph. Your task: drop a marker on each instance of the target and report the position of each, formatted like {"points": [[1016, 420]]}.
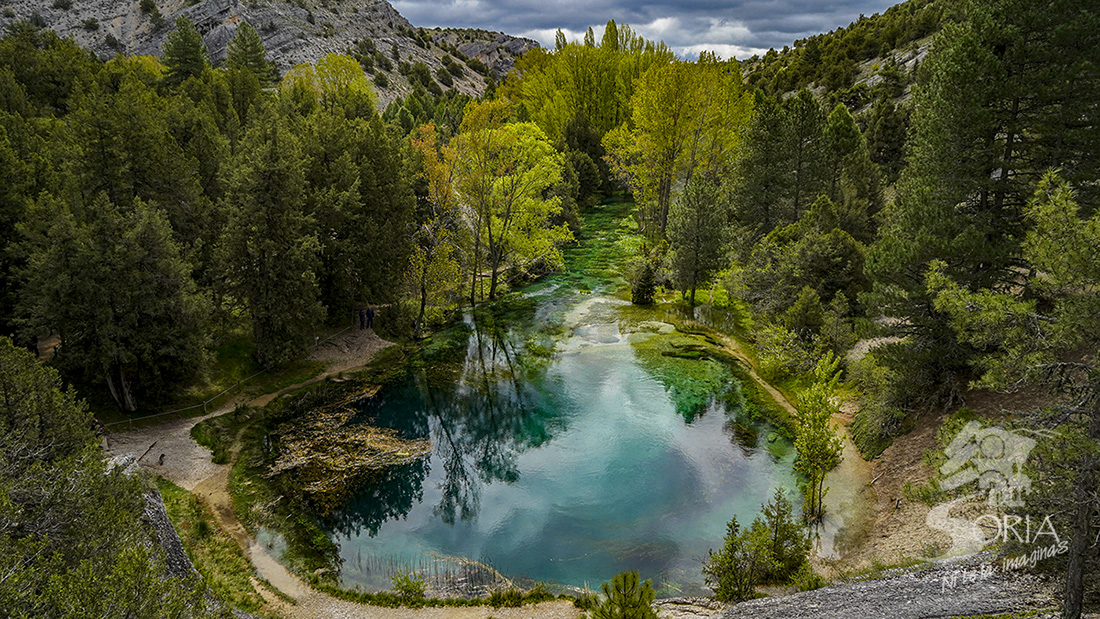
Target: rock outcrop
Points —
{"points": [[294, 32]]}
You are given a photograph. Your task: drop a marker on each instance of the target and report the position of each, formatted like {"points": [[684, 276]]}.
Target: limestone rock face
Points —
{"points": [[294, 32]]}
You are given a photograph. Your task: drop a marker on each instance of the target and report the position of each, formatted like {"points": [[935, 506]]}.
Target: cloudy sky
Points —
{"points": [[732, 28]]}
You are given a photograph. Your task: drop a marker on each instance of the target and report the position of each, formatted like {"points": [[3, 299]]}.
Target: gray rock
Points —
{"points": [[939, 590], [291, 33]]}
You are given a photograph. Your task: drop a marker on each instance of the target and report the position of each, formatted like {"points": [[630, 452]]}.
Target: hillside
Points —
{"points": [[293, 32], [873, 56]]}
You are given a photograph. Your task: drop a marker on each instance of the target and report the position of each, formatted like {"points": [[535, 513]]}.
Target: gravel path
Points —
{"points": [[941, 590]]}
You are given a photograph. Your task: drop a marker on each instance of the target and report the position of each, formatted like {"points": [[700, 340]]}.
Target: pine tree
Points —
{"points": [[628, 597], [1025, 334], [72, 542], [184, 53], [113, 284], [269, 249], [852, 179], [808, 150], [762, 195], [246, 51], [1009, 94], [695, 234]]}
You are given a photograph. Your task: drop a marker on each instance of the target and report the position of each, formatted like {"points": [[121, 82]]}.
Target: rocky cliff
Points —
{"points": [[294, 32]]}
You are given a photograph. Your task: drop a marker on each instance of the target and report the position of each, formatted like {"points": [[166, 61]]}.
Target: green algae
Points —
{"points": [[689, 367]]}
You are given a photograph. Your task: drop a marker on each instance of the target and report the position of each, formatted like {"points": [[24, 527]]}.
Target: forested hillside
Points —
{"points": [[158, 214]]}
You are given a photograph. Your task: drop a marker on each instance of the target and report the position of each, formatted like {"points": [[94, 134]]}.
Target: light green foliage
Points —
{"points": [[71, 541], [246, 51], [433, 264], [184, 53], [336, 81], [501, 171], [112, 282], [686, 118], [695, 233], [626, 597], [819, 448], [269, 250], [588, 82]]}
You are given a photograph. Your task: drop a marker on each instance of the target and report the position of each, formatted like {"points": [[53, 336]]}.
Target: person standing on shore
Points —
{"points": [[370, 318], [362, 319]]}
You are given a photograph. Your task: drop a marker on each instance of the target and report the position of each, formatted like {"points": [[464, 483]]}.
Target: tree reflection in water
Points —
{"points": [[479, 424]]}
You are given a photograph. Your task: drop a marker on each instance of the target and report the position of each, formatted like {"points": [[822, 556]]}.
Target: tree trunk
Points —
{"points": [[1082, 521], [121, 392], [423, 305], [493, 283]]}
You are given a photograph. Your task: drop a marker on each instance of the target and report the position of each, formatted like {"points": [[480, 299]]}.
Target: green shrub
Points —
{"points": [[643, 284], [742, 562], [509, 597], [806, 579], [408, 585]]}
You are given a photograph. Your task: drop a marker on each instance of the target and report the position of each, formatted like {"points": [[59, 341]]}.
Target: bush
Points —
{"points": [[91, 24], [782, 353], [743, 561], [511, 598], [644, 284], [790, 546], [63, 4], [806, 579], [408, 585], [627, 598], [477, 66], [380, 80], [444, 77]]}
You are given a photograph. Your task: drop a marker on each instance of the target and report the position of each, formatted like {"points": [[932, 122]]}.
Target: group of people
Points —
{"points": [[366, 318]]}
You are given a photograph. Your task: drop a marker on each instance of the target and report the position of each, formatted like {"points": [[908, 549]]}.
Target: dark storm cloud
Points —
{"points": [[731, 27]]}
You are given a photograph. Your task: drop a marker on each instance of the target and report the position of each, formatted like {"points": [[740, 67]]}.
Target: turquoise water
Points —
{"points": [[558, 456]]}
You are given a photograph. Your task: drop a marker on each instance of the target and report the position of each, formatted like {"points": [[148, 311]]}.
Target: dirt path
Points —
{"points": [[169, 451]]}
